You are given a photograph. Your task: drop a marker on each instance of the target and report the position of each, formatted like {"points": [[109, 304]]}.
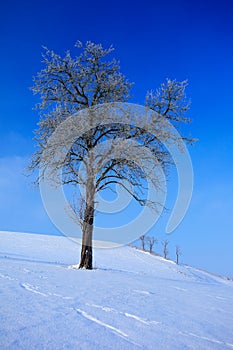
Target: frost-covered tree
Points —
{"points": [[178, 253], [151, 242], [88, 82], [165, 250], [143, 239]]}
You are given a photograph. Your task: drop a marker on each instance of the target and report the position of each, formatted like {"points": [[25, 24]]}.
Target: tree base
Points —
{"points": [[86, 258]]}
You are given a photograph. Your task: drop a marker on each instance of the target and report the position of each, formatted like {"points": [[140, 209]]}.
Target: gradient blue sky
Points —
{"points": [[153, 40]]}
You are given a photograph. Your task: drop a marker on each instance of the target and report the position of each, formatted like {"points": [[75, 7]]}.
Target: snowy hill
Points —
{"points": [[132, 300]]}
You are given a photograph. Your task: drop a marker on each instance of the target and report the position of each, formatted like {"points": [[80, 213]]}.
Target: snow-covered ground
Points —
{"points": [[132, 300]]}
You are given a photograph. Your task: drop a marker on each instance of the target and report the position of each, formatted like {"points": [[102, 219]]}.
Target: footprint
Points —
{"points": [[147, 322], [126, 314], [89, 317], [33, 289], [113, 329], [178, 288], [7, 277], [145, 292], [212, 340], [221, 298]]}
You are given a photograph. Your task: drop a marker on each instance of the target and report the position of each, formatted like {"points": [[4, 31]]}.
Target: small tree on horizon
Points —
{"points": [[178, 253], [165, 250], [68, 85], [151, 241], [143, 241]]}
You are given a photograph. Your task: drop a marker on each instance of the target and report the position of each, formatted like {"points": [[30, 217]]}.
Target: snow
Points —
{"points": [[131, 300]]}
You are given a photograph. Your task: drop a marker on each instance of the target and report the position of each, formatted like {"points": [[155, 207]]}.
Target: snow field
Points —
{"points": [[131, 300]]}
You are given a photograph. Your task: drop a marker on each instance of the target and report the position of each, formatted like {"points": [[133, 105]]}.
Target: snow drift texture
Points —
{"points": [[132, 300]]}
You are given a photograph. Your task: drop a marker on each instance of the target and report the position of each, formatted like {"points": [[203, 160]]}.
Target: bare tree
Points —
{"points": [[151, 241], [165, 250], [143, 239], [86, 83], [178, 253]]}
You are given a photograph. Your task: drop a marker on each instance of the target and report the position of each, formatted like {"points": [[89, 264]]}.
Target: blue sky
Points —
{"points": [[153, 40]]}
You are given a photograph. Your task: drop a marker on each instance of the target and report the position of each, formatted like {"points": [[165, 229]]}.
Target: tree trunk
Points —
{"points": [[88, 221], [86, 252]]}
